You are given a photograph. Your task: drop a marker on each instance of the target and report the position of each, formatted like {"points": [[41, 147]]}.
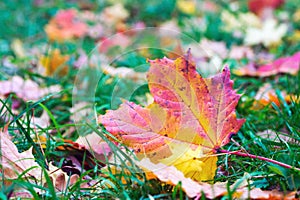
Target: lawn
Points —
{"points": [[173, 99]]}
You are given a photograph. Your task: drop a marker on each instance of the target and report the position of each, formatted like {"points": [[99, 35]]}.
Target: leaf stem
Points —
{"points": [[238, 153]]}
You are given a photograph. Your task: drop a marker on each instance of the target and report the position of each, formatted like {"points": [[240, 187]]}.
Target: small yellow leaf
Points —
{"points": [[55, 62], [187, 6], [17, 47]]}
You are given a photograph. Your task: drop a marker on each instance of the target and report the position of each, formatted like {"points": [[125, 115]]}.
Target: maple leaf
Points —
{"points": [[94, 143], [207, 104], [25, 89], [288, 65], [258, 6], [240, 189], [60, 178], [14, 163], [171, 175], [65, 26], [190, 116], [55, 62]]}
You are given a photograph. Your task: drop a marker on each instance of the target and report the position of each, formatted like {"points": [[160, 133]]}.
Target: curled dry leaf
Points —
{"points": [[77, 157], [191, 117], [286, 65], [94, 143], [60, 179]]}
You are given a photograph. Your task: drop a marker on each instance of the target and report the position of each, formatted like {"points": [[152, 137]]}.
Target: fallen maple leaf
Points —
{"points": [[55, 62], [207, 104], [193, 189], [14, 163], [170, 175], [65, 26], [190, 116], [25, 89], [288, 65], [258, 6], [60, 178], [94, 143]]}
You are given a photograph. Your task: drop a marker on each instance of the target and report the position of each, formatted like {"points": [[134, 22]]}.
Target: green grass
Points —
{"points": [[282, 119], [130, 182]]}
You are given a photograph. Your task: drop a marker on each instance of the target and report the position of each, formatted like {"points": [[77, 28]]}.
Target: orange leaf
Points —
{"points": [[55, 62], [267, 95], [190, 116], [65, 26]]}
